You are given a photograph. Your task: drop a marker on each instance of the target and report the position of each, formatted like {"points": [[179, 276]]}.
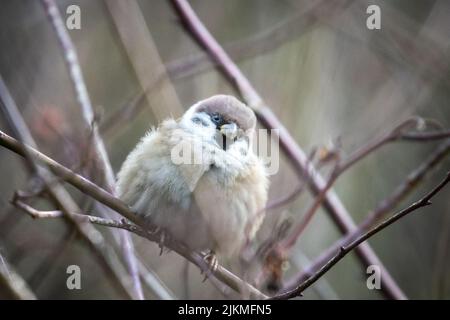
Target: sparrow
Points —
{"points": [[198, 178]]}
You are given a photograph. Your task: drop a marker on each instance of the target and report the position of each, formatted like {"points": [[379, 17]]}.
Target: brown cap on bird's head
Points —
{"points": [[231, 109]]}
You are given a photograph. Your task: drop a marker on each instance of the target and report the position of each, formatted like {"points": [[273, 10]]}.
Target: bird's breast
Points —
{"points": [[228, 210]]}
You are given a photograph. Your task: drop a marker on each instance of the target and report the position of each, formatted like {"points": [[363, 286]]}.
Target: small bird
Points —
{"points": [[198, 179]]}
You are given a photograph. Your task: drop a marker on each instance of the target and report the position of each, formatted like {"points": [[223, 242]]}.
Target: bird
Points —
{"points": [[198, 178]]}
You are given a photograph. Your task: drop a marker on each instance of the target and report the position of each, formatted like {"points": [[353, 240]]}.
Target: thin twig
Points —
{"points": [[51, 214], [423, 202], [295, 154], [425, 136], [396, 134], [13, 282], [76, 76]]}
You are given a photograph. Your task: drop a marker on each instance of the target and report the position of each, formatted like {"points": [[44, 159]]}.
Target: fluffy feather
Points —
{"points": [[216, 203]]}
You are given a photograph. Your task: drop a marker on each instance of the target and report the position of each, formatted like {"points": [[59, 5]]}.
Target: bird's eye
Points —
{"points": [[200, 121], [216, 118]]}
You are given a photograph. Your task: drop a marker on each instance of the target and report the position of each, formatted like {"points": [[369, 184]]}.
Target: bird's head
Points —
{"points": [[220, 118]]}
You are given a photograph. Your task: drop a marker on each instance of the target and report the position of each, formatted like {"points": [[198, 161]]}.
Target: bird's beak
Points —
{"points": [[229, 130]]}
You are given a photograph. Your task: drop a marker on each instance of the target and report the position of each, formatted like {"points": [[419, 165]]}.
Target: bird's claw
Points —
{"points": [[212, 262], [162, 238]]}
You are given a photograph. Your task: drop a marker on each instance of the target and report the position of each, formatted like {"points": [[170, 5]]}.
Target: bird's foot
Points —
{"points": [[213, 263], [163, 236]]}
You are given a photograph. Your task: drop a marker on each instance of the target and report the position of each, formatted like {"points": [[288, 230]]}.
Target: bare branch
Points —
{"points": [[51, 214], [37, 214], [425, 136], [396, 134], [13, 282], [425, 201]]}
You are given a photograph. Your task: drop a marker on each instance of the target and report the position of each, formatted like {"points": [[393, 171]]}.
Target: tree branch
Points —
{"points": [[425, 201], [13, 282], [396, 134]]}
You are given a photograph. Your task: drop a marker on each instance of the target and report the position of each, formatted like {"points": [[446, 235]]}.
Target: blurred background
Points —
{"points": [[329, 79]]}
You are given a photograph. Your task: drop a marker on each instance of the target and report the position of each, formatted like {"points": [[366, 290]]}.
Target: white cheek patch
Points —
{"points": [[199, 125], [201, 120]]}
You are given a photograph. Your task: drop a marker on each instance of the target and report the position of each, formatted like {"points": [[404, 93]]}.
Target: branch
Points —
{"points": [[123, 225], [423, 202], [401, 132], [405, 188], [426, 136], [87, 111], [101, 195], [396, 134], [52, 214], [13, 282], [268, 39], [295, 154], [60, 196]]}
